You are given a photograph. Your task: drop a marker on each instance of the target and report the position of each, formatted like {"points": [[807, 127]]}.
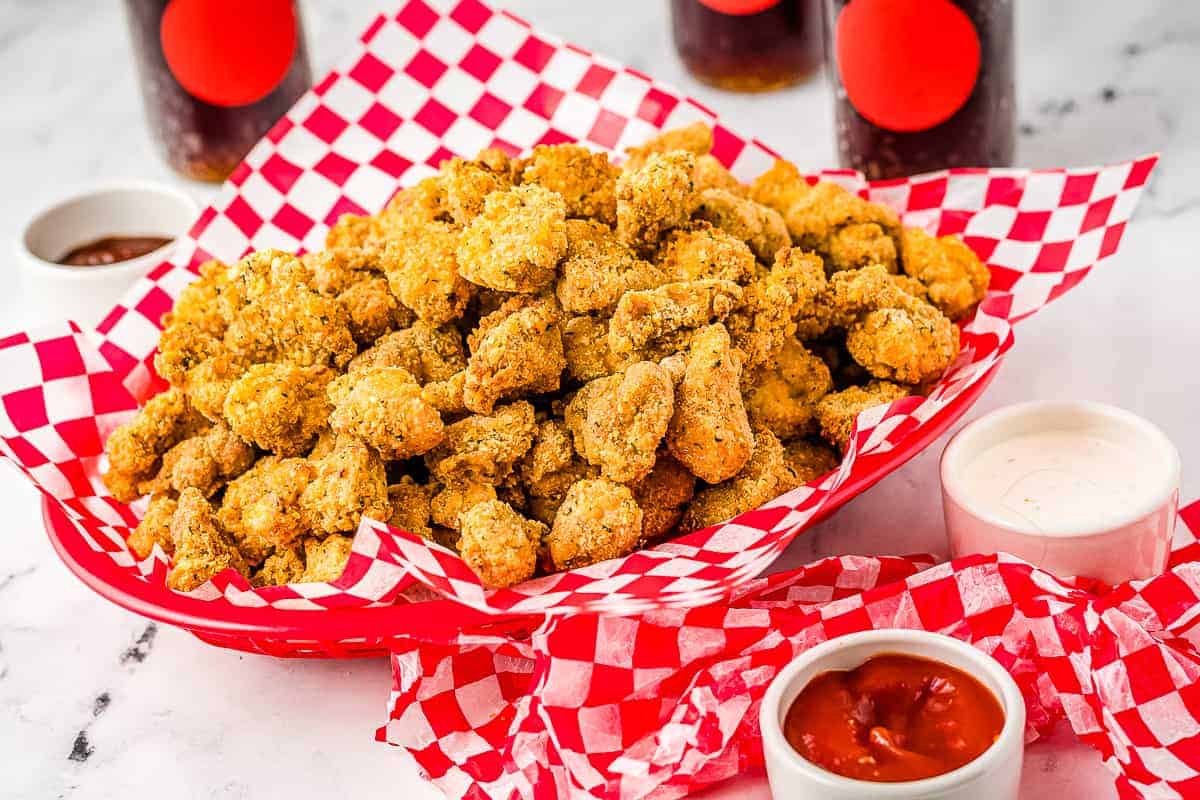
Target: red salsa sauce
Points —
{"points": [[894, 718], [112, 249]]}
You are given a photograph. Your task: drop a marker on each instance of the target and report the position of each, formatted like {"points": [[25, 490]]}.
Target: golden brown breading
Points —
{"points": [[199, 304], [134, 449], [550, 468], [483, 448], [837, 411], [861, 245], [349, 483], [372, 310], [758, 226], [202, 549], [585, 348], [820, 212], [204, 461], [499, 544], [709, 432], [428, 352], [422, 269], [618, 421], [808, 460], [598, 269], [598, 520], [325, 559], [586, 181], [351, 230], [466, 184], [756, 483], [279, 407], [447, 396], [418, 204], [954, 276], [450, 501], [181, 347], [154, 528], [261, 507], [333, 271], [517, 242], [803, 274], [662, 496], [702, 251], [654, 198], [282, 567], [909, 284], [711, 174], [207, 384], [383, 407], [780, 187], [515, 351], [643, 317], [696, 139], [784, 399], [411, 507]]}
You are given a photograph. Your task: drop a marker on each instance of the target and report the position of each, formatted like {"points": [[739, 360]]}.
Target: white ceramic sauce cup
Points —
{"points": [[995, 775], [1133, 543], [53, 292]]}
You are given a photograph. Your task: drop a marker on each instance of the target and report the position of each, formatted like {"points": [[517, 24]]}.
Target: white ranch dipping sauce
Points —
{"points": [[1060, 481]]}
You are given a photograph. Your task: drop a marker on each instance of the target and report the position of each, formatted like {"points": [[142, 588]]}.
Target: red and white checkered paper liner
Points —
{"points": [[448, 78], [664, 703]]}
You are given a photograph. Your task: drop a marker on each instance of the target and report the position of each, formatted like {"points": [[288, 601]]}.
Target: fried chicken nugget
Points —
{"points": [[643, 317], [598, 520], [483, 448], [208, 383], [710, 432], [466, 185], [134, 449], [427, 351], [618, 421], [447, 396], [261, 508], [550, 468], [325, 559], [498, 544], [696, 139], [422, 270], [819, 213], [384, 408], [350, 483], [585, 348], [279, 407], [199, 304], [450, 501], [784, 400], [791, 297], [598, 269], [654, 198], [780, 187], [411, 507], [711, 174], [761, 479], [205, 461], [154, 528], [335, 270], [837, 411], [372, 310], [760, 227], [861, 245], [808, 460], [586, 181], [702, 251], [282, 567], [351, 230], [517, 241], [954, 276], [202, 549], [515, 351], [662, 495]]}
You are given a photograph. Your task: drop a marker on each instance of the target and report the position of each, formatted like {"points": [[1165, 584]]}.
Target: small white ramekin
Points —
{"points": [[53, 292], [1133, 545], [995, 775]]}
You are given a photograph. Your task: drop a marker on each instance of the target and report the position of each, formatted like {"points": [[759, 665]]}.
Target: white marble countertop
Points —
{"points": [[97, 703]]}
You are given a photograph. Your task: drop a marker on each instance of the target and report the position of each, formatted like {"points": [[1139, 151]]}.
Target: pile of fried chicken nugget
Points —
{"points": [[541, 363]]}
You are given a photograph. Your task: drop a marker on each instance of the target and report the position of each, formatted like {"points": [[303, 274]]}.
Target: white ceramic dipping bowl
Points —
{"points": [[53, 292], [1133, 542], [995, 775]]}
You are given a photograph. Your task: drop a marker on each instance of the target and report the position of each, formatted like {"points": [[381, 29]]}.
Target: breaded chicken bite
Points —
{"points": [[351, 230], [598, 269], [372, 310], [780, 187], [483, 448], [953, 275], [383, 408], [761, 479], [711, 174], [515, 244], [837, 411], [411, 507], [282, 567], [181, 347], [808, 460], [134, 449], [802, 273], [819, 213], [350, 483], [450, 501], [447, 396], [654, 198], [586, 181], [759, 226], [710, 432], [154, 528], [208, 381], [333, 271], [279, 407], [662, 495], [585, 348], [202, 549], [498, 544], [861, 245], [618, 421], [643, 317], [550, 468], [784, 399], [199, 304], [466, 184], [696, 139], [702, 251], [598, 520], [261, 508], [515, 351], [205, 461], [422, 270], [325, 559], [428, 352]]}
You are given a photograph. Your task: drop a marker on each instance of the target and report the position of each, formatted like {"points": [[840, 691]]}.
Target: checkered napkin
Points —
{"points": [[664, 703], [446, 78]]}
